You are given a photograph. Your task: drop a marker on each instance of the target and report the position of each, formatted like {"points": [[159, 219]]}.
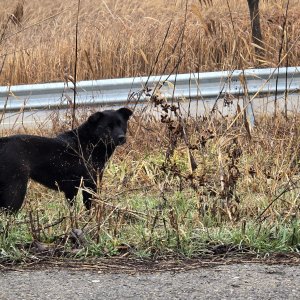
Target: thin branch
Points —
{"points": [[279, 56], [75, 65]]}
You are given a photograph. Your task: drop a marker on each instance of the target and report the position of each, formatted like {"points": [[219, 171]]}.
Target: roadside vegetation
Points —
{"points": [[189, 188], [181, 186]]}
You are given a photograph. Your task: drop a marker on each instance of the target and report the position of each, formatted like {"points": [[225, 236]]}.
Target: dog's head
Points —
{"points": [[110, 126]]}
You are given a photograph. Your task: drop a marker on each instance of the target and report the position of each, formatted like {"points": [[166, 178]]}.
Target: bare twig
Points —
{"points": [[283, 34], [75, 64]]}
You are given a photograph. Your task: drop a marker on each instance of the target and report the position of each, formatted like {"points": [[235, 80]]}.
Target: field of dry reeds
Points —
{"points": [[123, 38], [184, 187]]}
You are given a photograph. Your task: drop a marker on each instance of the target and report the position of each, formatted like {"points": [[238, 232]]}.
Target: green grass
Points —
{"points": [[147, 226]]}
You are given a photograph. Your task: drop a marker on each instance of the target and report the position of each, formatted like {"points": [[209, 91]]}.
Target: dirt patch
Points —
{"points": [[133, 265]]}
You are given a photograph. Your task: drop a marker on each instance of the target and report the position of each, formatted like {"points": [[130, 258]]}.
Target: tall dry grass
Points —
{"points": [[123, 38]]}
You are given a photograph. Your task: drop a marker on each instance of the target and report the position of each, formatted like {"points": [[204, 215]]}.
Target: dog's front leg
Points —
{"points": [[88, 192], [70, 194]]}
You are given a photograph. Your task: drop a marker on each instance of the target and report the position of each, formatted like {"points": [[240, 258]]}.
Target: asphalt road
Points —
{"points": [[238, 281]]}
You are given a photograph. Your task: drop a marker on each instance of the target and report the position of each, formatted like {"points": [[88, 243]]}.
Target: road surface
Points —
{"points": [[237, 281]]}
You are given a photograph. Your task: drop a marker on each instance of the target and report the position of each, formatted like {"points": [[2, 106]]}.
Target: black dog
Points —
{"points": [[62, 163]]}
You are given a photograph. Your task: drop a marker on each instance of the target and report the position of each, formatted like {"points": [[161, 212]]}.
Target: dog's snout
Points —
{"points": [[121, 139]]}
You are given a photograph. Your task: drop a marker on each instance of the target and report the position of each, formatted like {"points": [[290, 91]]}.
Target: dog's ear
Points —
{"points": [[95, 118], [125, 112]]}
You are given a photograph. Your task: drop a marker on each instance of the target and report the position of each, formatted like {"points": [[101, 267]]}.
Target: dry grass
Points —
{"points": [[122, 38]]}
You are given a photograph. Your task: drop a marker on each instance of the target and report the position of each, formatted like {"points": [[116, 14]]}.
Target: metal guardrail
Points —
{"points": [[206, 86]]}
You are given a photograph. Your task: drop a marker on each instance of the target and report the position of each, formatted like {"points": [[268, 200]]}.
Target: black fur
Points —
{"points": [[63, 162]]}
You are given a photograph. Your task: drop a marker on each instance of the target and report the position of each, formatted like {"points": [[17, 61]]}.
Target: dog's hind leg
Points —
{"points": [[12, 194]]}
